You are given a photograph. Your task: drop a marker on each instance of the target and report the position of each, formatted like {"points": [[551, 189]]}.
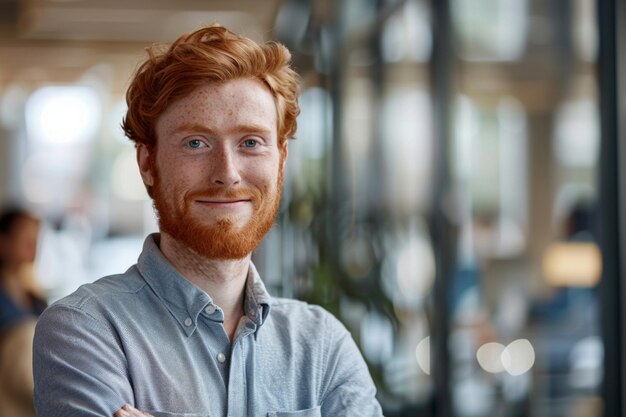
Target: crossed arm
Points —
{"points": [[80, 370]]}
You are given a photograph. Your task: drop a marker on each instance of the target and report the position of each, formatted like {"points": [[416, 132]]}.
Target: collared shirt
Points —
{"points": [[152, 339]]}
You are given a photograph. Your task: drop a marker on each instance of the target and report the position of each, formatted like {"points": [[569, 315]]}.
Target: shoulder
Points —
{"points": [[297, 309], [306, 318], [94, 299]]}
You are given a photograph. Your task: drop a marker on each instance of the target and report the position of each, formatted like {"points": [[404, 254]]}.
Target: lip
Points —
{"points": [[222, 203]]}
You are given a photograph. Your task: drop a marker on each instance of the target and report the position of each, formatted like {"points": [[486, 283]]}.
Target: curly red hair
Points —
{"points": [[210, 54]]}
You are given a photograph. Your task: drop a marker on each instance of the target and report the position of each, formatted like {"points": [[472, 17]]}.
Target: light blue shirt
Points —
{"points": [[152, 339]]}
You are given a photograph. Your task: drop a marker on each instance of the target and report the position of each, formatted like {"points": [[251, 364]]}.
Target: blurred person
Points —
{"points": [[190, 329], [21, 302]]}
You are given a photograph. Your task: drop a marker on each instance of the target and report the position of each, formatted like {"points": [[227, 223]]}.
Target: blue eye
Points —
{"points": [[250, 143], [194, 143]]}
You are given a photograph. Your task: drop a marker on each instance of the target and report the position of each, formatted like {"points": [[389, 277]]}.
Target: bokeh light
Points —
{"points": [[422, 354], [489, 357], [518, 357], [63, 114]]}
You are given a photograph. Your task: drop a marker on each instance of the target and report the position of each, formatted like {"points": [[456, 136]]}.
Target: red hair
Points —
{"points": [[211, 54]]}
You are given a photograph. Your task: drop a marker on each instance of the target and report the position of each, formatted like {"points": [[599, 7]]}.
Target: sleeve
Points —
{"points": [[350, 390], [79, 366]]}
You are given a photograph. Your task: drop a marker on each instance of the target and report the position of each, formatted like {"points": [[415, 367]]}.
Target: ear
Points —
{"points": [[145, 166]]}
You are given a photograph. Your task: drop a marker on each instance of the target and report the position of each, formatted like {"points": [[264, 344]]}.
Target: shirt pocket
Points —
{"points": [[311, 412], [166, 414]]}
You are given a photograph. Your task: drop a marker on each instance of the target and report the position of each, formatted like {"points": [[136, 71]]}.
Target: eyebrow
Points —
{"points": [[196, 127]]}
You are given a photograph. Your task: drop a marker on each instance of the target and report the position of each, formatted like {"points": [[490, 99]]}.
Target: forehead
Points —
{"points": [[222, 105]]}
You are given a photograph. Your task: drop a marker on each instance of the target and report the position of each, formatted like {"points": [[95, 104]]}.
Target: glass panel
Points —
{"points": [[525, 336], [406, 150], [383, 270]]}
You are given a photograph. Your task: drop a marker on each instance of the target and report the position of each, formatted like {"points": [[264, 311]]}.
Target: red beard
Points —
{"points": [[223, 239]]}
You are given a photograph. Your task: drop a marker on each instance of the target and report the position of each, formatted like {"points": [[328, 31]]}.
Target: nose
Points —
{"points": [[225, 170]]}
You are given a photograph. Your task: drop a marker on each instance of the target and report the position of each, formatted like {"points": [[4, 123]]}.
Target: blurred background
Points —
{"points": [[451, 195]]}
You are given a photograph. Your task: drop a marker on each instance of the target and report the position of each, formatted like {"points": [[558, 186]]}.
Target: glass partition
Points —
{"points": [[520, 197], [526, 332]]}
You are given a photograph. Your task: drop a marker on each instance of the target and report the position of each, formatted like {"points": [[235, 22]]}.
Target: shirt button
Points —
{"points": [[210, 309], [221, 357], [188, 322]]}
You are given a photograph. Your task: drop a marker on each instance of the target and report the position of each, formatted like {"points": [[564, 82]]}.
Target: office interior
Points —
{"points": [[454, 193]]}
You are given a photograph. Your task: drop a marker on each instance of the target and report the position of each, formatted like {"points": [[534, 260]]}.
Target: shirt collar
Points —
{"points": [[256, 303], [185, 300]]}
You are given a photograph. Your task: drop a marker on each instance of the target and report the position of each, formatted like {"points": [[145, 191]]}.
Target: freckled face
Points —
{"points": [[217, 172]]}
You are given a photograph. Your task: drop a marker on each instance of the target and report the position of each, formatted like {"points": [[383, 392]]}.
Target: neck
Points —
{"points": [[222, 279]]}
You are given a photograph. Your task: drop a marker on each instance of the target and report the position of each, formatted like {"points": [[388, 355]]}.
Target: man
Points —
{"points": [[190, 329]]}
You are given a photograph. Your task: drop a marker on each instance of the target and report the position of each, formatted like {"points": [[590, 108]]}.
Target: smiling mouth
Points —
{"points": [[222, 203]]}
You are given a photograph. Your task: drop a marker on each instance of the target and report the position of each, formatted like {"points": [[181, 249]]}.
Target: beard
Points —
{"points": [[223, 238]]}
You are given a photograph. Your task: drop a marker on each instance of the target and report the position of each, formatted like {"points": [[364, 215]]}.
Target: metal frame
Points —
{"points": [[442, 231], [612, 86]]}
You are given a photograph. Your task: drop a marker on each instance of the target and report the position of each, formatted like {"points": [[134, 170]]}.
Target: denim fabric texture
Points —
{"points": [[152, 339]]}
